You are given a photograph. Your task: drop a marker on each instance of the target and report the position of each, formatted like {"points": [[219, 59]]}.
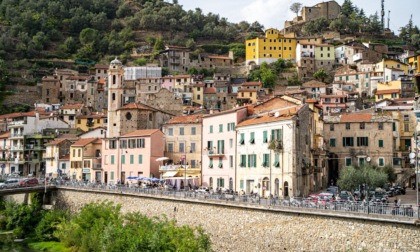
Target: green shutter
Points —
{"points": [[222, 182], [351, 141], [249, 160], [348, 161], [220, 127], [381, 162], [394, 126], [241, 184], [255, 160], [242, 141], [112, 175], [265, 136], [344, 142], [112, 159], [131, 159], [252, 140], [218, 183], [367, 141], [381, 143], [211, 128], [223, 147], [140, 159], [122, 159]]}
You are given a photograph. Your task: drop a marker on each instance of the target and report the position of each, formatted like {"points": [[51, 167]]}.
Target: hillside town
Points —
{"points": [[120, 122]]}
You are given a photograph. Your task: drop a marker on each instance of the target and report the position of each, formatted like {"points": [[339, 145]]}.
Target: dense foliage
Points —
{"points": [[269, 73], [100, 227], [352, 177], [90, 29]]}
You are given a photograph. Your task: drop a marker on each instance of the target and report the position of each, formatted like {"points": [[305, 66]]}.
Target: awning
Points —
{"points": [[169, 174]]}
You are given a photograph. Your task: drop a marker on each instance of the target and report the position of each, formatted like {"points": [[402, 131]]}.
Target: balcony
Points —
{"points": [[16, 135], [97, 166], [215, 154], [35, 147], [16, 148], [16, 161], [164, 168], [16, 124]]}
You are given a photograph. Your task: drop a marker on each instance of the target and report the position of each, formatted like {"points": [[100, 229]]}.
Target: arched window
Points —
{"points": [[114, 79], [128, 116], [210, 182], [113, 96]]}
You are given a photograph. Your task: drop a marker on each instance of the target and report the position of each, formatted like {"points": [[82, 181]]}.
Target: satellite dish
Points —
{"points": [[277, 114], [368, 159], [412, 155]]}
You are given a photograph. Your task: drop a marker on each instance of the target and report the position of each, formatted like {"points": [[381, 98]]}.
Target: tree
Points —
{"points": [[295, 8], [347, 8], [320, 75], [352, 177], [390, 172], [88, 35]]}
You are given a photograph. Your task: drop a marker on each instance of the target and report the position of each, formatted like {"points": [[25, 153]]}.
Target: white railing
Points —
{"points": [[173, 167]]}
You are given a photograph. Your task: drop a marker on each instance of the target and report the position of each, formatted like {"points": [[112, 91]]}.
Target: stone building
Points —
{"points": [[163, 100], [175, 58], [51, 93], [356, 139]]}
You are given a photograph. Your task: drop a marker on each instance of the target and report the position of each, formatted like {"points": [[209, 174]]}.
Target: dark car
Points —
{"points": [[29, 182]]}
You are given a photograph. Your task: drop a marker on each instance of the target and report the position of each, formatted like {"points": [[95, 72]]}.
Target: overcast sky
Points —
{"points": [[273, 13]]}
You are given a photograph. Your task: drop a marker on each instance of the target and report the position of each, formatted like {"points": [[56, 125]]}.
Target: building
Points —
{"points": [[85, 160], [175, 58], [92, 121], [4, 154], [51, 93], [356, 139], [183, 150], [219, 140], [56, 150], [314, 89], [69, 112], [132, 154], [134, 73], [269, 49]]}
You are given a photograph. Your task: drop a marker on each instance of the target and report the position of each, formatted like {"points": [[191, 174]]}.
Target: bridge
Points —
{"points": [[255, 224], [27, 189]]}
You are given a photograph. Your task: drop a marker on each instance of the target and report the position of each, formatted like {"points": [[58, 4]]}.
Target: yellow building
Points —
{"points": [[269, 49], [248, 93], [389, 63], [89, 122], [413, 61], [85, 159], [198, 89], [389, 90]]}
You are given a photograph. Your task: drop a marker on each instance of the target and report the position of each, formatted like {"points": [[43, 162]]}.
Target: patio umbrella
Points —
{"points": [[132, 177], [155, 180], [162, 159], [141, 178]]}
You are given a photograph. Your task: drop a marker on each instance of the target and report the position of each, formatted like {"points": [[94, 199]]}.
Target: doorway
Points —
{"points": [[286, 189]]}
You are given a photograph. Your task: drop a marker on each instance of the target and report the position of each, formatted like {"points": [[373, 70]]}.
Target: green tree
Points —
{"points": [[295, 8], [352, 177], [70, 45], [321, 75], [390, 172], [347, 8], [88, 35], [159, 46], [268, 77]]}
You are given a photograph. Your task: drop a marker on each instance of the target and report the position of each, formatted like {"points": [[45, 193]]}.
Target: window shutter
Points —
{"points": [[265, 136], [344, 142], [255, 160], [367, 141]]}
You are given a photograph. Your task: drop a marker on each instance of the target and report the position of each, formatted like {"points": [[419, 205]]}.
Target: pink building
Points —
{"points": [[219, 148], [132, 154], [172, 81]]}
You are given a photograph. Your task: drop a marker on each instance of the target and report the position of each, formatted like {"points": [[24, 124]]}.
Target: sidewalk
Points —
{"points": [[408, 199]]}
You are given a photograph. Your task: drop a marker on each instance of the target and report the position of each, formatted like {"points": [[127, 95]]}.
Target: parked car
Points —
{"points": [[345, 196], [29, 182], [202, 189], [333, 189], [10, 183]]}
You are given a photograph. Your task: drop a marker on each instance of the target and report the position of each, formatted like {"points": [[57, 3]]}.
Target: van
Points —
{"points": [[10, 183]]}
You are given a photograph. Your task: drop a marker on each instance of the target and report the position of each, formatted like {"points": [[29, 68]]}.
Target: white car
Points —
{"points": [[202, 189], [10, 183]]}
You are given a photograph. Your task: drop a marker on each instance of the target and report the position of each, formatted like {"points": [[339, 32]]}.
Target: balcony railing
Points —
{"points": [[175, 167]]}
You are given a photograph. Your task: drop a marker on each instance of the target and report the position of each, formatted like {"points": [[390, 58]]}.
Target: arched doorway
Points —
{"points": [[286, 189], [210, 183], [276, 187], [265, 187], [230, 184]]}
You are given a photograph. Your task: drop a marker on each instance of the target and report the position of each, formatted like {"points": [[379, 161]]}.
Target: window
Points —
{"points": [[132, 143], [265, 139], [170, 131], [230, 161], [331, 127], [406, 127], [193, 131], [242, 140], [381, 161], [192, 147], [220, 182], [276, 160], [122, 159], [181, 147], [123, 144], [181, 131], [252, 139], [241, 184], [394, 126], [112, 159], [210, 146], [112, 144], [332, 142], [348, 161], [221, 147], [231, 127], [252, 160], [276, 134], [141, 143], [243, 161], [230, 143], [362, 125], [170, 147], [211, 128], [348, 141], [112, 175], [220, 162], [79, 152], [266, 160], [211, 163], [347, 126], [362, 141], [381, 143], [220, 128], [380, 126]]}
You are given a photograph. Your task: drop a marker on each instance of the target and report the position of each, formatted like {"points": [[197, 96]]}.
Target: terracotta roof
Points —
{"points": [[137, 106], [96, 116], [348, 118], [5, 135], [313, 83], [284, 114], [186, 119], [310, 100], [98, 66], [389, 91], [210, 90], [101, 81], [83, 142], [137, 133], [254, 83], [65, 157], [72, 106], [333, 96], [14, 115], [233, 110], [219, 57], [56, 141], [85, 77]]}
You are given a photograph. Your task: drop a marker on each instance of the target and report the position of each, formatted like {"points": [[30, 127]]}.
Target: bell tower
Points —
{"points": [[115, 97]]}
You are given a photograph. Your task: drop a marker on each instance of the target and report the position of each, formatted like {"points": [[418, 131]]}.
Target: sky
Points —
{"points": [[273, 13]]}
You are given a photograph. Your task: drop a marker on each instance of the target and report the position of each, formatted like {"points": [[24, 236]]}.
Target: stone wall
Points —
{"points": [[250, 228]]}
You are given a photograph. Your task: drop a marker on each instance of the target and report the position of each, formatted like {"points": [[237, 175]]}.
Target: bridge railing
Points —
{"points": [[371, 209]]}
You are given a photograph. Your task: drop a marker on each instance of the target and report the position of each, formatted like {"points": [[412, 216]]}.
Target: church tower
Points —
{"points": [[115, 97]]}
